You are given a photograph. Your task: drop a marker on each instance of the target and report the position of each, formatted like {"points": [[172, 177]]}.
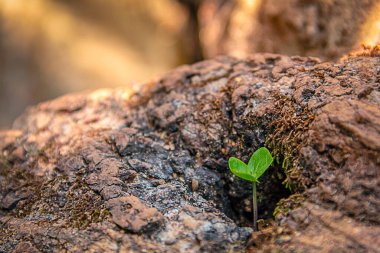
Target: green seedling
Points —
{"points": [[257, 165]]}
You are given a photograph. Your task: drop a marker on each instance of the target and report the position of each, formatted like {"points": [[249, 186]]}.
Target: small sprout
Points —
{"points": [[257, 165]]}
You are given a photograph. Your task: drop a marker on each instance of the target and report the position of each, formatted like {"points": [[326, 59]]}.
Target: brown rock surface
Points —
{"points": [[129, 213], [104, 172]]}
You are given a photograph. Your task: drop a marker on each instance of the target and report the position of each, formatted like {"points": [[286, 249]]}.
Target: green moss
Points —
{"points": [[285, 129], [83, 205], [81, 208], [4, 165], [288, 129], [285, 205]]}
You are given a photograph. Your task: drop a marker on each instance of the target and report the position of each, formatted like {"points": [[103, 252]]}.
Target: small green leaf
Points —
{"points": [[260, 161], [240, 169]]}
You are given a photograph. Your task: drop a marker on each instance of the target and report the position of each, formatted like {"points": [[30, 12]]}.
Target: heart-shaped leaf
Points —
{"points": [[240, 169], [260, 161]]}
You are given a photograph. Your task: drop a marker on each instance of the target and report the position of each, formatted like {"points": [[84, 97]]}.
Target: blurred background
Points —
{"points": [[52, 47]]}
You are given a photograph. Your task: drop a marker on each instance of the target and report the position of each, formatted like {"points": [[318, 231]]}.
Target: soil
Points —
{"points": [[108, 172]]}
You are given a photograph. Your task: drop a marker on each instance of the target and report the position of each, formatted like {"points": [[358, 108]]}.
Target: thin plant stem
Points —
{"points": [[254, 206]]}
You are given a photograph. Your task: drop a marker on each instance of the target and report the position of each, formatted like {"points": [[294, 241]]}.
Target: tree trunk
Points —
{"points": [[112, 172]]}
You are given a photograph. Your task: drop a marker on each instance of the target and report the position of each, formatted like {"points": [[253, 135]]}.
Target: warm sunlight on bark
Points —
{"points": [[371, 28]]}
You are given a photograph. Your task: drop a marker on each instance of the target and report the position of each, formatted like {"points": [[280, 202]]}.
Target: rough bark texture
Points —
{"points": [[107, 172], [324, 28]]}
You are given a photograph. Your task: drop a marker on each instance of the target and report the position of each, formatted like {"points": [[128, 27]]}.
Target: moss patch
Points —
{"points": [[287, 136], [73, 202], [285, 205]]}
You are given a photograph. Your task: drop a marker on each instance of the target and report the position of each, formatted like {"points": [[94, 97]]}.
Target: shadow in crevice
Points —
{"points": [[268, 194]]}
